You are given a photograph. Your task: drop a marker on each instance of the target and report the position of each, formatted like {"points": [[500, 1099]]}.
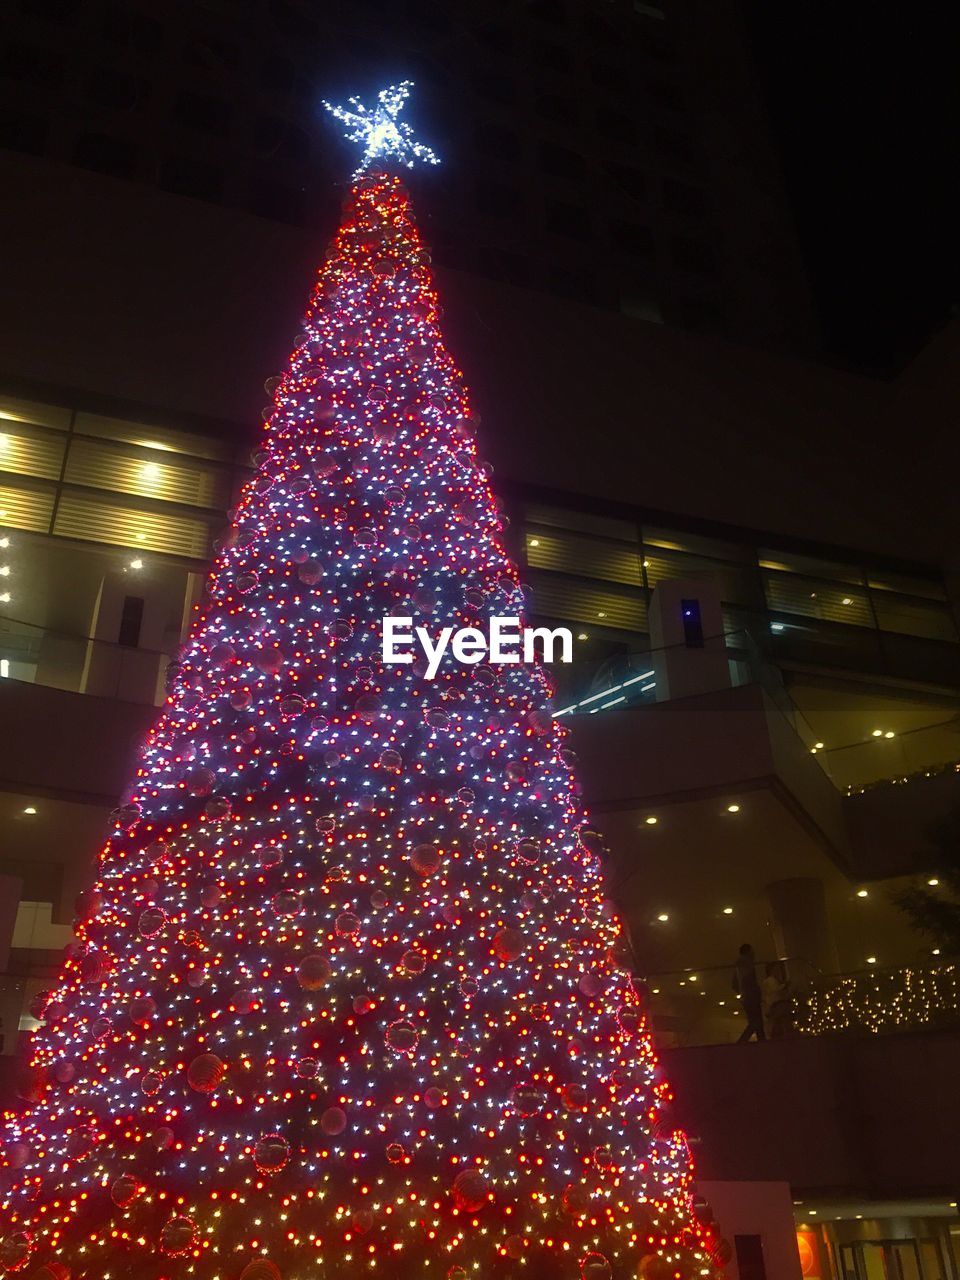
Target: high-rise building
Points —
{"points": [[613, 152]]}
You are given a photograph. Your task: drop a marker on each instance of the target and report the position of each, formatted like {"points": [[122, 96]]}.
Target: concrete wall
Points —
{"points": [[876, 1117]]}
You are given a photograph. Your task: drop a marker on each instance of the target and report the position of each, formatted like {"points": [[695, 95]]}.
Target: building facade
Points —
{"points": [[764, 696]]}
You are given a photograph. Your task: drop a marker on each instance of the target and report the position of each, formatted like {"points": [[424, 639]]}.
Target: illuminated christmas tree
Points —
{"points": [[348, 1000]]}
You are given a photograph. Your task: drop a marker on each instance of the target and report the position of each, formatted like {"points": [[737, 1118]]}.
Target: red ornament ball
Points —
{"points": [[471, 1191], [362, 1221], [575, 1200], [271, 1152], [401, 1036], [513, 1247], [347, 925], [413, 962], [395, 1153], [205, 1073], [52, 1270], [508, 945], [314, 972], [260, 1269], [178, 1236], [162, 1138], [594, 1266], [425, 860], [15, 1250], [433, 1097], [308, 1068], [333, 1121], [124, 1190], [527, 1099]]}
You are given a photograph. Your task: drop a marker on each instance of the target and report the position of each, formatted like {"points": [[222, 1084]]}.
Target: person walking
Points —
{"points": [[748, 989]]}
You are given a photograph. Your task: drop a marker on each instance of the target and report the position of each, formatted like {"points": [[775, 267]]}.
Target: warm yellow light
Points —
{"points": [[818, 746], [862, 893], [847, 600], [30, 809], [601, 615], [878, 733], [582, 636], [534, 542], [871, 959], [150, 472], [728, 911], [663, 917], [933, 882], [651, 821], [136, 564], [141, 537], [733, 808], [889, 734]]}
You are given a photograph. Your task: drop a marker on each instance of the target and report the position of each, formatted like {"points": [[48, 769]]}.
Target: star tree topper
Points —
{"points": [[379, 130]]}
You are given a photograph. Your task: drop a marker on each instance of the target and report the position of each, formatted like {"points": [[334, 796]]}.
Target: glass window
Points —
{"points": [[584, 556], [907, 584], [43, 415], [582, 521], [31, 451], [815, 598], [913, 617], [810, 566], [151, 473], [565, 600], [149, 437], [93, 519]]}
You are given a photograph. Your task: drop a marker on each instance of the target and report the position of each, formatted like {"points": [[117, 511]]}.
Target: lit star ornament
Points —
{"points": [[379, 130]]}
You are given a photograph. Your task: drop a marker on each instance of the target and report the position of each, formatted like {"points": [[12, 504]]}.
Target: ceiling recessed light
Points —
{"points": [[30, 809], [534, 542], [651, 821], [847, 600], [889, 734], [728, 911], [871, 959], [141, 537], [136, 564], [935, 951], [818, 746], [733, 808], [601, 615], [663, 917], [582, 636], [863, 893], [933, 882], [811, 1211], [878, 733], [150, 471]]}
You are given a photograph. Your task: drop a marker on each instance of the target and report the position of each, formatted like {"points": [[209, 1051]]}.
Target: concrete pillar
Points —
{"points": [[686, 635], [11, 989], [801, 927]]}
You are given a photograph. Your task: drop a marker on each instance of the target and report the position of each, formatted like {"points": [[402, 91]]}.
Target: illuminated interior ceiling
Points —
{"points": [[868, 735], [705, 868]]}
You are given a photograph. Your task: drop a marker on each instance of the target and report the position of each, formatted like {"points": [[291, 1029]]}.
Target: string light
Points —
{"points": [[880, 1000], [348, 995]]}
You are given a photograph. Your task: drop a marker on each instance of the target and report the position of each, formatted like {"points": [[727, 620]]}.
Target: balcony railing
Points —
{"points": [[700, 1006]]}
